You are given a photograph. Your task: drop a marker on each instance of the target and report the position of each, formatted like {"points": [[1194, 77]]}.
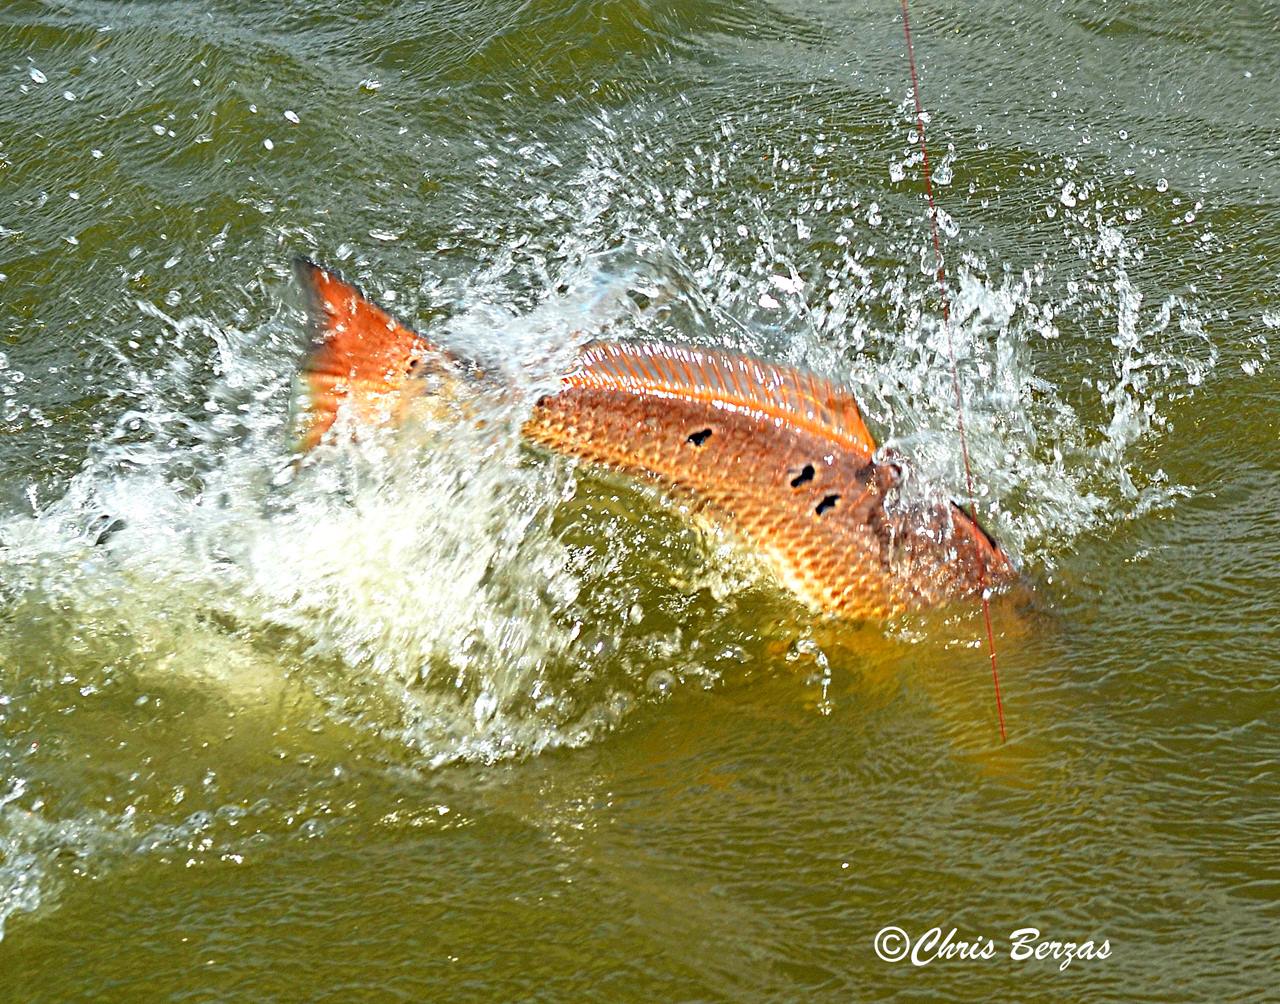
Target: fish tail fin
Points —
{"points": [[361, 359]]}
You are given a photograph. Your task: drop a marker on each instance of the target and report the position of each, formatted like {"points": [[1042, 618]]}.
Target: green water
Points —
{"points": [[437, 718]]}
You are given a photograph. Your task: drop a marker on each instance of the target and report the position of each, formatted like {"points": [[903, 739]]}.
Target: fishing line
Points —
{"points": [[951, 350]]}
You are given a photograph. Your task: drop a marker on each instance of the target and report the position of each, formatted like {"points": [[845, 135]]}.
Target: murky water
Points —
{"points": [[439, 717]]}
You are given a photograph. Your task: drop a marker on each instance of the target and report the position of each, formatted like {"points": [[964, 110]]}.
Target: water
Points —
{"points": [[436, 716]]}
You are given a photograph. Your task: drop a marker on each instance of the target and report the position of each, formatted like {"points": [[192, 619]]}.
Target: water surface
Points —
{"points": [[442, 718]]}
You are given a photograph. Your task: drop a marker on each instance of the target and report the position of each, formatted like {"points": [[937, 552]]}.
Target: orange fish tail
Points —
{"points": [[361, 358]]}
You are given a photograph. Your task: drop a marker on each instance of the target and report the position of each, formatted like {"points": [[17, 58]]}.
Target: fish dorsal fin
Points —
{"points": [[730, 381], [360, 356]]}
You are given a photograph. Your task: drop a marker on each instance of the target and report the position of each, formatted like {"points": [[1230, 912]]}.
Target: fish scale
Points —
{"points": [[779, 456], [856, 559]]}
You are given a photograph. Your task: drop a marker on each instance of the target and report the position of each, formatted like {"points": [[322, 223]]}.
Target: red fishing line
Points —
{"points": [[951, 351]]}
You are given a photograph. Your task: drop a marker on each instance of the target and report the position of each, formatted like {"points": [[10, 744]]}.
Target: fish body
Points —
{"points": [[780, 456]]}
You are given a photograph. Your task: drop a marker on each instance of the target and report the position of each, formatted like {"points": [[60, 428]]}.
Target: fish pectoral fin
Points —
{"points": [[361, 359], [995, 559]]}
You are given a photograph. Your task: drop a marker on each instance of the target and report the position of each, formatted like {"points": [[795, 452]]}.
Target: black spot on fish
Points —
{"points": [[804, 477], [699, 437], [828, 502]]}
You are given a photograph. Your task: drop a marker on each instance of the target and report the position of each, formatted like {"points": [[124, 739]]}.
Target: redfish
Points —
{"points": [[779, 456]]}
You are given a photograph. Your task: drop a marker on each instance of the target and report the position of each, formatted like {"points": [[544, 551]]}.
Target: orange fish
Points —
{"points": [[780, 456]]}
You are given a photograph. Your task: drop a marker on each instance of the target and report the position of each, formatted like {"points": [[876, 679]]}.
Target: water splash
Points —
{"points": [[445, 595]]}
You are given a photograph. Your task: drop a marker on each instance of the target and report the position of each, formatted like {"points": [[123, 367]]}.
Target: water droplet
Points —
{"points": [[369, 84], [37, 76], [292, 116], [158, 130], [897, 172], [69, 95], [944, 173], [268, 144], [1162, 185], [661, 682], [485, 707], [97, 154]]}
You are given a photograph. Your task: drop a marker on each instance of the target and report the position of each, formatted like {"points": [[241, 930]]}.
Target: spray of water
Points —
{"points": [[442, 593]]}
